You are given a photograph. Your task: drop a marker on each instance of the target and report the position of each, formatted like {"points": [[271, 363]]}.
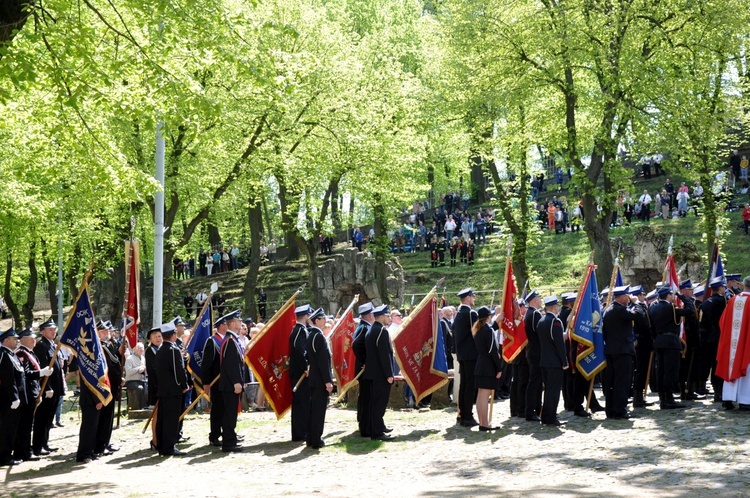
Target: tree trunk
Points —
{"points": [[255, 220], [75, 267], [28, 306], [381, 250], [51, 278], [476, 184], [214, 237], [335, 209], [12, 306]]}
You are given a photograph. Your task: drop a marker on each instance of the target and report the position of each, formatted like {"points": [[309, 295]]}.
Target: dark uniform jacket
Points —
{"points": [[45, 350], [644, 332], [297, 352], [711, 311], [319, 358], [488, 357], [358, 344], [12, 381], [170, 370], [447, 341], [617, 328], [114, 367], [232, 359], [211, 364], [551, 343], [462, 337], [691, 321], [379, 364], [31, 367], [665, 318], [531, 322]]}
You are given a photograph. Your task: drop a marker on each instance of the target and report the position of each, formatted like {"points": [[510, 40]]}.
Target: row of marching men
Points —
{"points": [[32, 385]]}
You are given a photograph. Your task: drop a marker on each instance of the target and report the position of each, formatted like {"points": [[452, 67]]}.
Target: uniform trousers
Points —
{"points": [[617, 378], [642, 360], [363, 406], [381, 391], [104, 430], [317, 418], [518, 389], [217, 412], [167, 423], [45, 414], [667, 372], [534, 389], [553, 380], [8, 426], [22, 449], [300, 410], [467, 390], [87, 434], [229, 422]]}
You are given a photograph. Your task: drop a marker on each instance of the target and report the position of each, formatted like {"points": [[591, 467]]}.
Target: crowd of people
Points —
{"points": [[221, 260]]}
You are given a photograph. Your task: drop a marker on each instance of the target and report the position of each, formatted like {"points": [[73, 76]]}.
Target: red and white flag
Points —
{"points": [[342, 354], [131, 313]]}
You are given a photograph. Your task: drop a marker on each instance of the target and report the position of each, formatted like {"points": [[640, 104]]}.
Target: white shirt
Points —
{"points": [[645, 199]]}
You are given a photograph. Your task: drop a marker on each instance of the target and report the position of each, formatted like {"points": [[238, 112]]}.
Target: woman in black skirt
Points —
{"points": [[488, 368]]}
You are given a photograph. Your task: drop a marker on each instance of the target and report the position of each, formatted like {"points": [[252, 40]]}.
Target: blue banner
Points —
{"points": [[439, 361], [202, 332], [81, 338], [587, 329]]}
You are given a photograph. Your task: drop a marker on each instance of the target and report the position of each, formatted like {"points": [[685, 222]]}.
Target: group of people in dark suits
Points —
{"points": [[310, 372]]}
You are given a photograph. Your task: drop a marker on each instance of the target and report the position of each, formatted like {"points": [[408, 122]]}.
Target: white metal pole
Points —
{"points": [[159, 228]]}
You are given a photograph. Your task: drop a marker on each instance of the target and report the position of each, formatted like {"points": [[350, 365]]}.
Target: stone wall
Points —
{"points": [[350, 273], [643, 262]]}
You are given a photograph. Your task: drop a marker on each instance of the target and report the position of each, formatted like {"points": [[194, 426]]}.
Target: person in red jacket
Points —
{"points": [[746, 217]]}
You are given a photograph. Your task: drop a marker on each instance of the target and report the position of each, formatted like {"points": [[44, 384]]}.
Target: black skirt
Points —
{"points": [[485, 382]]}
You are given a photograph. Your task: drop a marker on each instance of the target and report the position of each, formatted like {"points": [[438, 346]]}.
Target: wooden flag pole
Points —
{"points": [[492, 405], [299, 382], [648, 373], [341, 396], [204, 394], [150, 417], [591, 392]]}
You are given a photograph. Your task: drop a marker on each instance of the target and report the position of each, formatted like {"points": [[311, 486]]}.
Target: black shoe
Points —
{"points": [[596, 409], [60, 424], [582, 414], [642, 403], [32, 458], [627, 416], [83, 460], [673, 405], [214, 442], [317, 445], [384, 437], [388, 430], [728, 405], [469, 423], [554, 423], [183, 439], [105, 452], [153, 446], [51, 450], [42, 452], [533, 418], [233, 449], [487, 429], [240, 437]]}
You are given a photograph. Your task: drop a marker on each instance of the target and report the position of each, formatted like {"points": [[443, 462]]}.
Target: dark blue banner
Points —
{"points": [[202, 332]]}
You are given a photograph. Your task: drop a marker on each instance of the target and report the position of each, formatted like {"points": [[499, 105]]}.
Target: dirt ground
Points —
{"points": [[701, 451]]}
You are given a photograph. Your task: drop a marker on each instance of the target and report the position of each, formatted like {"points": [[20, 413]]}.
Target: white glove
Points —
{"points": [[49, 394], [15, 404], [45, 372]]}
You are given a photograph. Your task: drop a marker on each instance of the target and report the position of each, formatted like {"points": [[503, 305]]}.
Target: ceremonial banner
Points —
{"points": [[342, 354], [81, 338], [268, 358], [587, 328], [514, 331], [415, 345], [671, 279], [131, 312], [715, 269], [202, 331], [733, 355]]}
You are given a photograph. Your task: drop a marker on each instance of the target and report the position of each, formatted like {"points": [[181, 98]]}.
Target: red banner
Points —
{"points": [[414, 346], [342, 353], [131, 314], [514, 332], [268, 358]]}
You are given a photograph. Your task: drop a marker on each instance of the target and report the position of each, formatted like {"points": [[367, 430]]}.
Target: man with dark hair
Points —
{"points": [[152, 384]]}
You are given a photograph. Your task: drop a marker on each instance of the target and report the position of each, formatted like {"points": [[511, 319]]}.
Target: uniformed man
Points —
{"points": [[54, 390], [154, 342], [567, 300], [321, 383], [533, 355], [231, 381], [170, 370], [619, 348], [379, 371], [33, 371], [710, 331], [210, 372], [689, 364], [466, 353], [520, 368], [553, 360], [734, 285], [180, 325], [12, 395], [360, 353], [297, 370], [643, 348], [114, 373], [665, 317]]}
